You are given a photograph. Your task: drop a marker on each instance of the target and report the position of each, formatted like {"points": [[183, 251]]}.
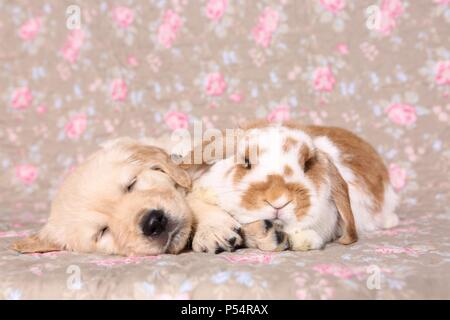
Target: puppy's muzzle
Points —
{"points": [[154, 223]]}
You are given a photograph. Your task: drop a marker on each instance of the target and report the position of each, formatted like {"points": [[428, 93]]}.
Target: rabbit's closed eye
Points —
{"points": [[309, 164], [247, 164]]}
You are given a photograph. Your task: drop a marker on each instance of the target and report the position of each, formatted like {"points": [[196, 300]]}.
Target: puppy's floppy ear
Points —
{"points": [[211, 149], [157, 158], [35, 244], [340, 196], [178, 175]]}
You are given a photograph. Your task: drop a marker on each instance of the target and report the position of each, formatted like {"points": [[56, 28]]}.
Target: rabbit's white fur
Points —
{"points": [[365, 219], [321, 221]]}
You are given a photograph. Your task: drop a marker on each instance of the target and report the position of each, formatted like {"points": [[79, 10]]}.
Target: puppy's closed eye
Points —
{"points": [[156, 168], [101, 233], [131, 185]]}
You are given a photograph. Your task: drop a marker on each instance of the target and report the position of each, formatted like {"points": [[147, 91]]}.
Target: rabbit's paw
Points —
{"points": [[266, 235]]}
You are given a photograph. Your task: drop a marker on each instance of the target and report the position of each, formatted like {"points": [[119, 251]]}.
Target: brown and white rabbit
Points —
{"points": [[317, 183]]}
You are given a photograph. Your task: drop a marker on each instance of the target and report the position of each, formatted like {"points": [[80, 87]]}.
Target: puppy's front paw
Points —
{"points": [[304, 240], [221, 233], [266, 235]]}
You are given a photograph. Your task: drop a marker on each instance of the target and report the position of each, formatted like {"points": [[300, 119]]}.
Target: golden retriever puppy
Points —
{"points": [[126, 199]]}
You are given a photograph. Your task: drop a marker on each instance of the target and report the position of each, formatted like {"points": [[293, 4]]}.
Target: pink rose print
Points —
{"points": [[269, 19], [320, 290], [262, 36], [267, 24], [215, 84], [398, 250], [342, 48], [401, 114], [215, 9], [398, 231], [387, 24], [172, 19], [36, 270], [119, 90], [333, 6], [21, 98], [72, 46], [132, 61], [41, 109], [167, 31], [390, 11], [166, 35], [250, 259], [76, 126], [443, 72], [344, 271], [124, 261], [336, 270], [394, 8], [236, 97], [443, 2], [27, 173], [29, 30], [301, 294], [123, 16], [176, 120], [397, 176], [279, 114], [324, 79]]}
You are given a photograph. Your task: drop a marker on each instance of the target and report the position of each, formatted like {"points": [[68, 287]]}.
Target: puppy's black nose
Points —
{"points": [[154, 223]]}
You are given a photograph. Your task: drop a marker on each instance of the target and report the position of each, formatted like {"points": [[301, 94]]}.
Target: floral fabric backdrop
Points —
{"points": [[75, 73]]}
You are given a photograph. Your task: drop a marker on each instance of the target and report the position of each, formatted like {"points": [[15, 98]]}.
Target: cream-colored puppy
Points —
{"points": [[125, 199]]}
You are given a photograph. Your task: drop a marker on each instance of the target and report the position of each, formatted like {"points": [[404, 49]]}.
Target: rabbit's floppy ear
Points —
{"points": [[34, 244], [341, 198]]}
